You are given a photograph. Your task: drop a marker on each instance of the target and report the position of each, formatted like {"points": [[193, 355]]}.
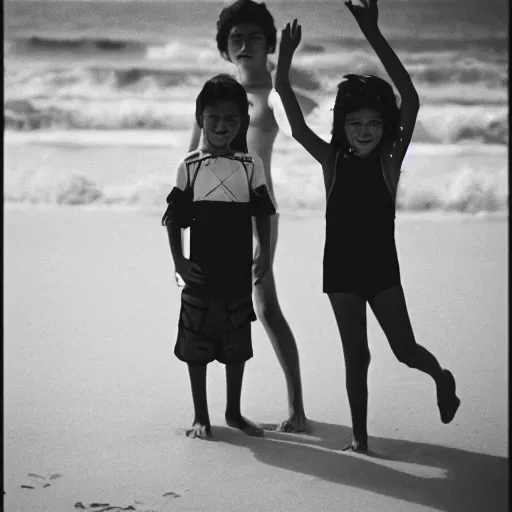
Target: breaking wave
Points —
{"points": [[466, 191]]}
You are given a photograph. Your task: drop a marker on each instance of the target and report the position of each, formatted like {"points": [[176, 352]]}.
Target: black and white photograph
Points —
{"points": [[256, 255]]}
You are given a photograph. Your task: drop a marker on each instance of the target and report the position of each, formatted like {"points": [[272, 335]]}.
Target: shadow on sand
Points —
{"points": [[447, 479]]}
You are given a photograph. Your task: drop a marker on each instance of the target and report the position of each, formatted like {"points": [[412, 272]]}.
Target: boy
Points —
{"points": [[218, 190], [246, 35]]}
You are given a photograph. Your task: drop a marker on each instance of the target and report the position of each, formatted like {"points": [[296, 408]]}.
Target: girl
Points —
{"points": [[218, 190], [361, 168]]}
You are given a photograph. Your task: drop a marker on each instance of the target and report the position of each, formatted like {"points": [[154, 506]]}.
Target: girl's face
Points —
{"points": [[247, 46], [364, 130], [221, 123]]}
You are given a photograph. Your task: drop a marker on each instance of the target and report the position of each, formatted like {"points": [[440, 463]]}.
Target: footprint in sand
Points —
{"points": [[107, 507], [40, 481]]}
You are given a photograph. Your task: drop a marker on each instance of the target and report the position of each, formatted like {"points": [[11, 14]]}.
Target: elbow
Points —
{"points": [[412, 97], [415, 100]]}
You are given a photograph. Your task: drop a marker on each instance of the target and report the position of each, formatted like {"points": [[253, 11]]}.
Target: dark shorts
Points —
{"points": [[365, 274], [214, 329]]}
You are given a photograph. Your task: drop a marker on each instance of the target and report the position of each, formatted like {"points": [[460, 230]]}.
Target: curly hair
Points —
{"points": [[364, 91], [246, 11], [225, 87]]}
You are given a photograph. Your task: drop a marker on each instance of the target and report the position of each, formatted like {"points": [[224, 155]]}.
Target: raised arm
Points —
{"points": [[367, 19], [312, 143]]}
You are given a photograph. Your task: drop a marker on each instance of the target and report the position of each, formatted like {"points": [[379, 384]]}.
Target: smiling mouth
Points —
{"points": [[244, 57], [364, 141]]}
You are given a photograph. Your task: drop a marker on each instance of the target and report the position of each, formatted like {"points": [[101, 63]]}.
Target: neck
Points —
{"points": [[255, 77], [215, 151]]}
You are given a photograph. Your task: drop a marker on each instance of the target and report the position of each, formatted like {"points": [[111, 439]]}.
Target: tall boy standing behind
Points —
{"points": [[246, 35]]}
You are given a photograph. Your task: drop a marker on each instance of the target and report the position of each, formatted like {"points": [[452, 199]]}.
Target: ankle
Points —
{"points": [[202, 420]]}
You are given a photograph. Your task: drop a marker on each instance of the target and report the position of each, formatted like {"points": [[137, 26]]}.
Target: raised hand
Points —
{"points": [[290, 39], [366, 15]]}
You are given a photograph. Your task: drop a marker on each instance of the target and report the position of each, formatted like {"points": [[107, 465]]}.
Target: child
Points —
{"points": [[218, 189], [246, 35], [361, 168]]}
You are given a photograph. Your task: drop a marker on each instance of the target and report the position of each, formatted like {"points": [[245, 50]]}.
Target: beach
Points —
{"points": [[99, 105], [94, 393]]}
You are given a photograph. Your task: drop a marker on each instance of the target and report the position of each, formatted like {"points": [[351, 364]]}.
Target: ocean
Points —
{"points": [[107, 69]]}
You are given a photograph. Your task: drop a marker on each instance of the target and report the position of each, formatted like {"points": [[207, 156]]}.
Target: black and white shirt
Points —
{"points": [[224, 192]]}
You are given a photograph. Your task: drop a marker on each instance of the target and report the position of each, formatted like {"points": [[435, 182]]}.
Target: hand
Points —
{"points": [[290, 39], [261, 267], [190, 272], [366, 16]]}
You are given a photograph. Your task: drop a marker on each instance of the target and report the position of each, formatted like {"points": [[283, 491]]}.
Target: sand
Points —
{"points": [[96, 404]]}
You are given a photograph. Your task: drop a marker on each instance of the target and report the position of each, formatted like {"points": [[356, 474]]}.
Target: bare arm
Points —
{"points": [[312, 143], [263, 233], [174, 234]]}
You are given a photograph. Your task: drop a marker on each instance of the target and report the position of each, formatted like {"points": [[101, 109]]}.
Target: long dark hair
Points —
{"points": [[225, 87], [364, 91]]}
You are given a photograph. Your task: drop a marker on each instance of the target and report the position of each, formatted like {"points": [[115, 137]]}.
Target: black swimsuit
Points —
{"points": [[360, 254]]}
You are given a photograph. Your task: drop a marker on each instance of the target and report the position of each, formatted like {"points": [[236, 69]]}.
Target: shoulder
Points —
{"points": [[250, 158], [194, 156]]}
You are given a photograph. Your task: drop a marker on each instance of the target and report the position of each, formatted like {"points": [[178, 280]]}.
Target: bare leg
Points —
{"points": [[201, 427], [270, 315], [234, 418], [350, 313], [390, 310]]}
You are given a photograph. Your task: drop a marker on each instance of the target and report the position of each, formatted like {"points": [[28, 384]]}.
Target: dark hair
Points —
{"points": [[245, 11], [225, 87], [364, 91]]}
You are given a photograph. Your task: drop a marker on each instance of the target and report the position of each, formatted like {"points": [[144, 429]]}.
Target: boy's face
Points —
{"points": [[221, 123], [247, 46], [364, 130]]}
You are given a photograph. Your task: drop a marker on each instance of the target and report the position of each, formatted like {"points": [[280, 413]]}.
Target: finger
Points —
{"points": [[196, 274], [365, 3], [294, 26], [299, 32], [191, 279]]}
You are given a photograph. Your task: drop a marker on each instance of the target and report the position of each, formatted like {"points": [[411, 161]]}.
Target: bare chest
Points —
{"points": [[261, 114]]}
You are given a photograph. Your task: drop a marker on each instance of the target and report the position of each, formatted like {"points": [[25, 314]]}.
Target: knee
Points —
{"points": [[267, 310], [406, 355]]}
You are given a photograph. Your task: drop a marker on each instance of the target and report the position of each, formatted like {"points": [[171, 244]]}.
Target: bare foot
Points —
{"points": [[447, 400], [200, 431], [357, 447], [247, 427], [294, 424]]}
